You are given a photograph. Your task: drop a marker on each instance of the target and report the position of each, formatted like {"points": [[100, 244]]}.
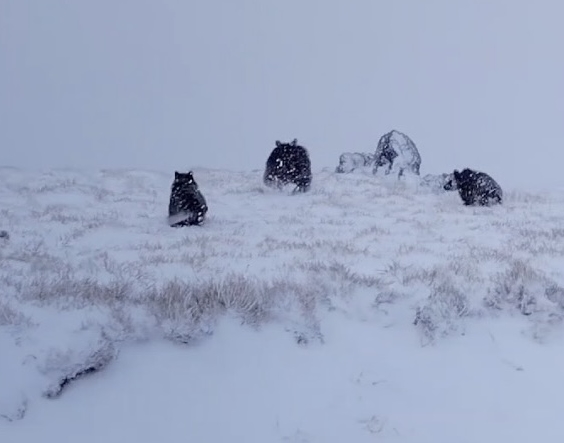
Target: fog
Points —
{"points": [[179, 84]]}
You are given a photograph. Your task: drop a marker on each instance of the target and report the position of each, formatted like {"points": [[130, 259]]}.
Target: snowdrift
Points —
{"points": [[363, 279]]}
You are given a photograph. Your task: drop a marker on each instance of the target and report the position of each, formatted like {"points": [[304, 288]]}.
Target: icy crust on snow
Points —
{"points": [[91, 264]]}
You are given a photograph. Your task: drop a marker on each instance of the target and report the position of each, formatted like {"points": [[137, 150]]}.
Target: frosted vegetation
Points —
{"points": [[90, 263]]}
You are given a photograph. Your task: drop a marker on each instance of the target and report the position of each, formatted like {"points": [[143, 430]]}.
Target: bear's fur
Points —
{"points": [[187, 205], [349, 161], [397, 152], [474, 187], [288, 163]]}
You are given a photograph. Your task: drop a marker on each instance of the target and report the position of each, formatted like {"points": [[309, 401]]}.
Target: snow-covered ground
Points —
{"points": [[365, 310]]}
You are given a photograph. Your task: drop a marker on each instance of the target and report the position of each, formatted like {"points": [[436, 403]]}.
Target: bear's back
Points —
{"points": [[288, 163], [185, 195], [478, 187]]}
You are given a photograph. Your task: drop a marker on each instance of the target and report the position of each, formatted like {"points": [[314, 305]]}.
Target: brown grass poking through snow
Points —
{"points": [[100, 240]]}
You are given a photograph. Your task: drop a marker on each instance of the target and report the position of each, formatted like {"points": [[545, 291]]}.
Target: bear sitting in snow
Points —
{"points": [[288, 163], [349, 161], [397, 152], [187, 205], [474, 187]]}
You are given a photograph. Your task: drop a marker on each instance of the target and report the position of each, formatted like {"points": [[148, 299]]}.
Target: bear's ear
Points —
{"points": [[456, 174], [278, 143], [294, 142], [176, 174]]}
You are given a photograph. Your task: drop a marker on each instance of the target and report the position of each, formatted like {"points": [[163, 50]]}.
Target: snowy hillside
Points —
{"points": [[364, 310]]}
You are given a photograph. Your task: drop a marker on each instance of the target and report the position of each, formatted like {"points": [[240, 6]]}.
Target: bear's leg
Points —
{"points": [[181, 224], [468, 199], [200, 218], [494, 199]]}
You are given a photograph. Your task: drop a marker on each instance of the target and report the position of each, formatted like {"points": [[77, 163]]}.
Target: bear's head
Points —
{"points": [[293, 143], [464, 176], [184, 180], [184, 177]]}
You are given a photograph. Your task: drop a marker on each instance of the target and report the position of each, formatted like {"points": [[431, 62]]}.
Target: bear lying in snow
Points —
{"points": [[397, 152], [474, 187], [288, 163], [187, 205], [349, 161]]}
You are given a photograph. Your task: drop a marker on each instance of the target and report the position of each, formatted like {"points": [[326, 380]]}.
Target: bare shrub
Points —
{"points": [[156, 259], [336, 271], [483, 253], [11, 317], [373, 232], [387, 297], [51, 187], [291, 220], [197, 260], [536, 246], [64, 218], [526, 290], [187, 311], [465, 268], [414, 275], [148, 246], [552, 234], [334, 246], [441, 312], [66, 291]]}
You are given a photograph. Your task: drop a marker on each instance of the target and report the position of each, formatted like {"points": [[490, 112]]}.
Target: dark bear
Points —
{"points": [[288, 163], [474, 187], [187, 205], [349, 161], [397, 152]]}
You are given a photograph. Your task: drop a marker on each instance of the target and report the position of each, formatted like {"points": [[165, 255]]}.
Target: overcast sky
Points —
{"points": [[177, 84]]}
